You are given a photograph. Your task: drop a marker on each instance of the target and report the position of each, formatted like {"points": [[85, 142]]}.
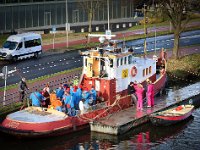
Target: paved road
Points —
{"points": [[52, 62]]}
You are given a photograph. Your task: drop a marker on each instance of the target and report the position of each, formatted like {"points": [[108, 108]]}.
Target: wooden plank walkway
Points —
{"points": [[123, 121]]}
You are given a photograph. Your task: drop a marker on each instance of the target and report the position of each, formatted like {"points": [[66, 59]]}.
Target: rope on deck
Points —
{"points": [[116, 103]]}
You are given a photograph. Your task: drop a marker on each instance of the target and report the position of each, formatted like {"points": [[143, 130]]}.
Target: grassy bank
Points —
{"points": [[185, 70]]}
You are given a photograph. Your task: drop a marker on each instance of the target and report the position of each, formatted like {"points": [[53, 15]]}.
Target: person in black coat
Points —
{"points": [[22, 88], [131, 91]]}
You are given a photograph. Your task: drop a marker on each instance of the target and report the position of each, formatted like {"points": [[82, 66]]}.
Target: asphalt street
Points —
{"points": [[51, 62]]}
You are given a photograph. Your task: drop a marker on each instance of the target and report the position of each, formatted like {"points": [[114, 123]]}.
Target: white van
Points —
{"points": [[21, 46]]}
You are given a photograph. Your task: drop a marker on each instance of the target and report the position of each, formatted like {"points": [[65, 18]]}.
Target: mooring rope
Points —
{"points": [[116, 103]]}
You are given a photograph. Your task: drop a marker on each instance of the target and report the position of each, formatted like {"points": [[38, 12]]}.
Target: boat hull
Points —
{"points": [[160, 120], [29, 129]]}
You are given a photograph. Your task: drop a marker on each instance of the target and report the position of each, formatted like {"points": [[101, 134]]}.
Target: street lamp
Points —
{"points": [[67, 24]]}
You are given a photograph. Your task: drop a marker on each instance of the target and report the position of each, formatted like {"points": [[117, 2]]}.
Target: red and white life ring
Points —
{"points": [[133, 71]]}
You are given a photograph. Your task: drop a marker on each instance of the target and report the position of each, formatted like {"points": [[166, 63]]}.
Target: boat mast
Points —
{"points": [[155, 40], [108, 14], [145, 31]]}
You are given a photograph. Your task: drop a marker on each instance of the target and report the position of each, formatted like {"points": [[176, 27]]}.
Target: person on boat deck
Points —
{"points": [[75, 81], [65, 86], [131, 91], [55, 103], [60, 92], [36, 98], [46, 88], [74, 95], [69, 103], [79, 93], [22, 88], [86, 96], [93, 95], [46, 93], [139, 93], [150, 93], [83, 106], [71, 88]]}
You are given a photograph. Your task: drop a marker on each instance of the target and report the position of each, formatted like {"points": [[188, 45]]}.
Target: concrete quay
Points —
{"points": [[122, 121]]}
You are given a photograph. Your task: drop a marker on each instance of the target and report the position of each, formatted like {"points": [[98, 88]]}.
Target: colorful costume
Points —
{"points": [[139, 93], [150, 95]]}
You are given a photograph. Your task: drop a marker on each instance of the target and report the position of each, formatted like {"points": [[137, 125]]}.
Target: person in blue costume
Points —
{"points": [[93, 96], [79, 93], [60, 92], [69, 103], [86, 96], [75, 97], [36, 98]]}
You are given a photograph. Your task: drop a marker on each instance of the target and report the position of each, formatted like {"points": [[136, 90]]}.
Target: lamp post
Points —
{"points": [[67, 24]]}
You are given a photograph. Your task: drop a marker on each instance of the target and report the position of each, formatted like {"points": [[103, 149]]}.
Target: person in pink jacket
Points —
{"points": [[139, 93], [150, 93]]}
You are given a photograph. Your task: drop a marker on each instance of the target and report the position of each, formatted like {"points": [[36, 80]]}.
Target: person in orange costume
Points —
{"points": [[55, 103]]}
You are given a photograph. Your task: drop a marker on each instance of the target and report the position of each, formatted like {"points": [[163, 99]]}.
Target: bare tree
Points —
{"points": [[179, 13], [90, 6]]}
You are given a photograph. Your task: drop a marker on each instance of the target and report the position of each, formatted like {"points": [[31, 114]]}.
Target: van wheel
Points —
{"points": [[15, 58], [36, 55]]}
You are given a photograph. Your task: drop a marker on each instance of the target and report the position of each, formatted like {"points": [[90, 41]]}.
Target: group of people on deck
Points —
{"points": [[137, 91], [65, 98]]}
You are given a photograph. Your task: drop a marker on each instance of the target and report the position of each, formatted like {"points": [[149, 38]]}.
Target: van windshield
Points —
{"points": [[10, 45]]}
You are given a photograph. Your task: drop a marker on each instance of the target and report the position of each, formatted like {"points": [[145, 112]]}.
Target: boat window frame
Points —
{"points": [[125, 60]]}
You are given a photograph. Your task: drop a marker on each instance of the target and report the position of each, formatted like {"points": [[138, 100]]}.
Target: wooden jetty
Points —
{"points": [[123, 121]]}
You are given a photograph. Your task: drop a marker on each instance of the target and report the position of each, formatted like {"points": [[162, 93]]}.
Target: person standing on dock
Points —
{"points": [[131, 91], [22, 91], [150, 93], [139, 93]]}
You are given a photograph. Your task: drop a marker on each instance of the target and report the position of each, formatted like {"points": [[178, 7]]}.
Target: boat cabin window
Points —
{"points": [[150, 70], [129, 59], [147, 71], [121, 61], [111, 63], [118, 62], [86, 62], [125, 59], [143, 72]]}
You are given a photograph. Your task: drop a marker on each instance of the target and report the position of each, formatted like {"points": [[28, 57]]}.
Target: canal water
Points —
{"points": [[184, 136]]}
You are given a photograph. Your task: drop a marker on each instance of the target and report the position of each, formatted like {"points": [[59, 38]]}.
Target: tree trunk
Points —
{"points": [[90, 25], [175, 53]]}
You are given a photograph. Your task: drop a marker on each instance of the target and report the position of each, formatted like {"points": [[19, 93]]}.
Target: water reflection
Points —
{"points": [[141, 138], [144, 137]]}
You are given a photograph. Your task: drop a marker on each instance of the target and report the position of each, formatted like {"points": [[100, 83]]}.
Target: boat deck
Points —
{"points": [[124, 120], [37, 115]]}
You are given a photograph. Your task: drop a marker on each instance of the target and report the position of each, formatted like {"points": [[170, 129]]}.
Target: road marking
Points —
{"points": [[196, 49]]}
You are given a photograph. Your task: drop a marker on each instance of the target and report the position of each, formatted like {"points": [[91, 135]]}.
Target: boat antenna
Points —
{"points": [[155, 40], [145, 31]]}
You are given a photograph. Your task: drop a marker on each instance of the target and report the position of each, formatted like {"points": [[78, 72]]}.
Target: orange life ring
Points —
{"points": [[133, 71]]}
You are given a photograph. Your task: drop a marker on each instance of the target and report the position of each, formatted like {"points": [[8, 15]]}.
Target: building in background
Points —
{"points": [[26, 15]]}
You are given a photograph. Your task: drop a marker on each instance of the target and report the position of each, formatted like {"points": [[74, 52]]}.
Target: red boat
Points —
{"points": [[172, 115], [107, 68]]}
